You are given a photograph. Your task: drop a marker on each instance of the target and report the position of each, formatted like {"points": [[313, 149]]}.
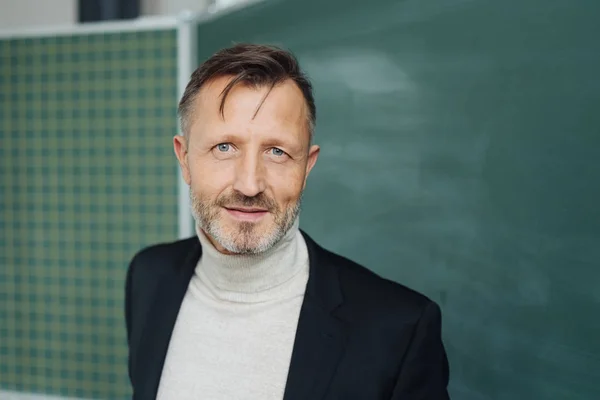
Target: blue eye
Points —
{"points": [[278, 152], [223, 147]]}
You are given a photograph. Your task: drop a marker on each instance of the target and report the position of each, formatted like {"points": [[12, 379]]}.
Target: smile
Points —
{"points": [[247, 214]]}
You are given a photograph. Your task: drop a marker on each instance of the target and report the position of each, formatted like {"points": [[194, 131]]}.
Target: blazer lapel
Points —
{"points": [[159, 326], [320, 336]]}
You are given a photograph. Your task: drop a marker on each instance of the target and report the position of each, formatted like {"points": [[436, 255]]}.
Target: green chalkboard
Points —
{"points": [[461, 156]]}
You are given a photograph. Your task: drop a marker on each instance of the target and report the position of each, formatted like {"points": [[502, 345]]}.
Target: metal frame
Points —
{"points": [[187, 60]]}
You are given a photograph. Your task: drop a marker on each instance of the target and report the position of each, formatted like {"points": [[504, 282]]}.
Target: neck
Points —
{"points": [[237, 276]]}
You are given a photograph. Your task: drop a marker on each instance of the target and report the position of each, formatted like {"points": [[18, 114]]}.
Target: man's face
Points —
{"points": [[248, 168]]}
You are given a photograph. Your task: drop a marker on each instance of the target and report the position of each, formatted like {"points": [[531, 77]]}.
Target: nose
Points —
{"points": [[249, 176]]}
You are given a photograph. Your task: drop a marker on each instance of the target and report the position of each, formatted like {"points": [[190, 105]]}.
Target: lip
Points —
{"points": [[247, 214]]}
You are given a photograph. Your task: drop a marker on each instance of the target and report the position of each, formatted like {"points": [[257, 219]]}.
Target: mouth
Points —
{"points": [[251, 214]]}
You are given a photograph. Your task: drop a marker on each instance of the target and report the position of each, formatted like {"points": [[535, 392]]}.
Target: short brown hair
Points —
{"points": [[249, 64]]}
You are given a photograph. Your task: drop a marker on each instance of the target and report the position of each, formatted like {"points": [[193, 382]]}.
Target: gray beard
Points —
{"points": [[245, 240]]}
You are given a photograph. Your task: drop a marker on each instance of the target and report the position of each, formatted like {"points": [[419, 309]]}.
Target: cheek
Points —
{"points": [[209, 178], [287, 185]]}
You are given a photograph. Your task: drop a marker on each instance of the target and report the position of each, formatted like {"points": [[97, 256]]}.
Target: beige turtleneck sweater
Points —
{"points": [[235, 330]]}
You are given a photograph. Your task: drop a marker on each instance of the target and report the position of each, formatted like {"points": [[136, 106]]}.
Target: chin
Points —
{"points": [[248, 237], [256, 229]]}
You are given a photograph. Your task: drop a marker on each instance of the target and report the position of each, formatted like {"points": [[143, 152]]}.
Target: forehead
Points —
{"points": [[284, 105]]}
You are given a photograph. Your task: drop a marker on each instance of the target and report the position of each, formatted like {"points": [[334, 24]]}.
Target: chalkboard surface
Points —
{"points": [[461, 157]]}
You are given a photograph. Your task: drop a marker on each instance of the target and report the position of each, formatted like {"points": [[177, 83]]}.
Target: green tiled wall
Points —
{"points": [[87, 177]]}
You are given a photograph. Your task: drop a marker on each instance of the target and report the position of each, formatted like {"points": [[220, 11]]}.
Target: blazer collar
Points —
{"points": [[320, 336], [323, 285], [159, 326]]}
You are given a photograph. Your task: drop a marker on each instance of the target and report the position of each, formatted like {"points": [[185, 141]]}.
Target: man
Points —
{"points": [[251, 307]]}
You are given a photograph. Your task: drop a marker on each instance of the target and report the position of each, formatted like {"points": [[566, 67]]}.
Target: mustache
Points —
{"points": [[237, 199]]}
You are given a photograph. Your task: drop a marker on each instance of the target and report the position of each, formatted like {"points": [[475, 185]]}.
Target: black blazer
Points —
{"points": [[359, 336]]}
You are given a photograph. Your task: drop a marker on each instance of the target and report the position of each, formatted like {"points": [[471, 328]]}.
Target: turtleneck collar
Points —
{"points": [[252, 277]]}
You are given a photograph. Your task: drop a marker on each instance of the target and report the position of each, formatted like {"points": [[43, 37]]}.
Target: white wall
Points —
{"points": [[26, 13], [172, 7], [36, 13]]}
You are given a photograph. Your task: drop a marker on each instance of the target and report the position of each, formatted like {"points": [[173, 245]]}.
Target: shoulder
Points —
{"points": [[365, 284], [151, 266], [371, 295], [161, 258], [165, 249]]}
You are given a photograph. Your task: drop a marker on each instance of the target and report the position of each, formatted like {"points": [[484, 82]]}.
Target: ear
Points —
{"points": [[180, 145], [313, 155]]}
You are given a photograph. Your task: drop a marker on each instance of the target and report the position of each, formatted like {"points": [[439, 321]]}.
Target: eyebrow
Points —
{"points": [[278, 143], [228, 137]]}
